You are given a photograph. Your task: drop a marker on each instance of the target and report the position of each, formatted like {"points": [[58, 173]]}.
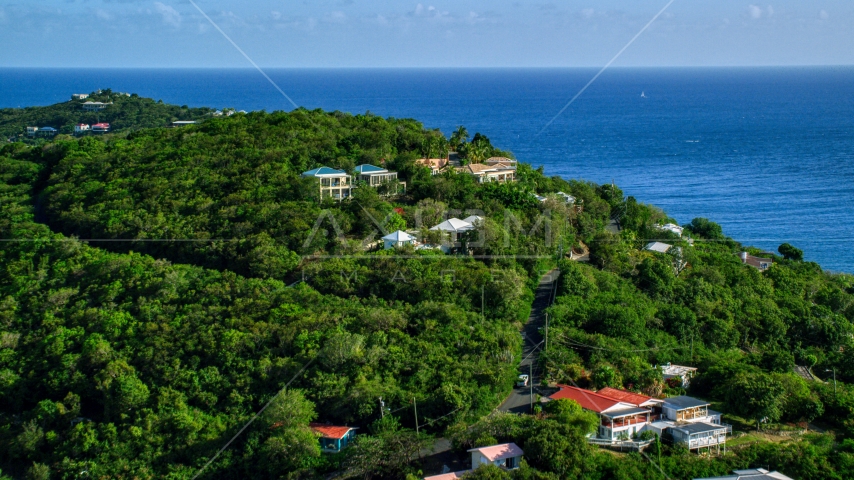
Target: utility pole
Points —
{"points": [[546, 348], [692, 349], [531, 382], [834, 379], [415, 404], [382, 408]]}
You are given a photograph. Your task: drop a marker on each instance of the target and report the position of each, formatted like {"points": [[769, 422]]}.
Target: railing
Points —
{"points": [[624, 423], [620, 443], [707, 441]]}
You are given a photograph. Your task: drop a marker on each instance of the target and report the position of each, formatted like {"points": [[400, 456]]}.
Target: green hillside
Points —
{"points": [[159, 288], [126, 112]]}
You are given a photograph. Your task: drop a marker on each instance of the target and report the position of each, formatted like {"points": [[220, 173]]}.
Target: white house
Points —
{"points": [[567, 198], [398, 239], [95, 106], [690, 422], [335, 184], [182, 123], [453, 225], [499, 172], [81, 128], [669, 371], [756, 262], [751, 474], [31, 131], [376, 176], [657, 247], [506, 456], [671, 227], [79, 96], [618, 420]]}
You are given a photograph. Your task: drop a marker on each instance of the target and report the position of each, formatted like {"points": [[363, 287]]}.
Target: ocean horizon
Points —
{"points": [[764, 151]]}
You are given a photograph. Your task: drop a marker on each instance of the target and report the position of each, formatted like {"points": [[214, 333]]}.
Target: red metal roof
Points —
{"points": [[632, 398], [107, 125], [330, 431], [587, 399]]}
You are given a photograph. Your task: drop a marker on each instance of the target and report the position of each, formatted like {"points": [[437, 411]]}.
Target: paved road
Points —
{"points": [[519, 400]]}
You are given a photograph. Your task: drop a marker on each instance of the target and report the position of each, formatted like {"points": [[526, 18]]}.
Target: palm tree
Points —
{"points": [[478, 151], [428, 146], [459, 137]]}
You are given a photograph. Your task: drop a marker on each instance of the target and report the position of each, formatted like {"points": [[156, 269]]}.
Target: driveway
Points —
{"points": [[519, 400]]}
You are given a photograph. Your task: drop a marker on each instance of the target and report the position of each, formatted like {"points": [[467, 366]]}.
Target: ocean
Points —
{"points": [[765, 152]]}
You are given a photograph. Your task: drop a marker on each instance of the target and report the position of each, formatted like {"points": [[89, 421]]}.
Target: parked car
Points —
{"points": [[522, 381]]}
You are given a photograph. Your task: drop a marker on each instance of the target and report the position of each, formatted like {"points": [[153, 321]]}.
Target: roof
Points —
{"points": [[672, 227], [669, 369], [323, 171], [626, 397], [47, 129], [183, 122], [493, 160], [367, 169], [625, 412], [399, 236], [432, 162], [454, 225], [330, 431], [473, 218], [657, 247], [82, 124], [752, 474], [499, 452], [567, 197], [101, 125], [448, 476], [476, 168], [588, 400], [699, 427], [682, 402], [756, 262]]}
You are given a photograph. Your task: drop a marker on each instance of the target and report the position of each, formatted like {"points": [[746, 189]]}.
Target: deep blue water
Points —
{"points": [[766, 152]]}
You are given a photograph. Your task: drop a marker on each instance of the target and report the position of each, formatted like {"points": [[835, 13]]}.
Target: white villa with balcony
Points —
{"points": [[499, 172], [622, 415], [376, 176], [334, 184]]}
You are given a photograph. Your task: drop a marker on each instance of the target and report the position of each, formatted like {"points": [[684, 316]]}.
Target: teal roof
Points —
{"points": [[365, 168], [317, 172]]}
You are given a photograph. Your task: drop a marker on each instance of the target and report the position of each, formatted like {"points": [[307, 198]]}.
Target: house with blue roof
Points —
{"points": [[332, 183], [375, 177]]}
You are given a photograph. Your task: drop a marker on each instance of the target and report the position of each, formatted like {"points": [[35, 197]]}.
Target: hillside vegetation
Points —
{"points": [[126, 113], [157, 288]]}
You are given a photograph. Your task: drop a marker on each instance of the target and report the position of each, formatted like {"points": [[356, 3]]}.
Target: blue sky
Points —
{"points": [[428, 33]]}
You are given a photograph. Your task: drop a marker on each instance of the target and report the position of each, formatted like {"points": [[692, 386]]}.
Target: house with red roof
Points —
{"points": [[101, 128], [619, 418], [333, 438]]}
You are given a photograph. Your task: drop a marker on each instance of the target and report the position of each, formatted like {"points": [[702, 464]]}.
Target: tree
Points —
{"points": [[459, 137], [706, 229], [387, 452], [789, 252], [756, 395]]}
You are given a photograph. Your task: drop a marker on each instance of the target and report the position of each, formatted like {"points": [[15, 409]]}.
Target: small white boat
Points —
{"points": [[643, 94]]}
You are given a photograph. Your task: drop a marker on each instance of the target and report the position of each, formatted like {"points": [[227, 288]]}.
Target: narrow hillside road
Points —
{"points": [[440, 454], [519, 400]]}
